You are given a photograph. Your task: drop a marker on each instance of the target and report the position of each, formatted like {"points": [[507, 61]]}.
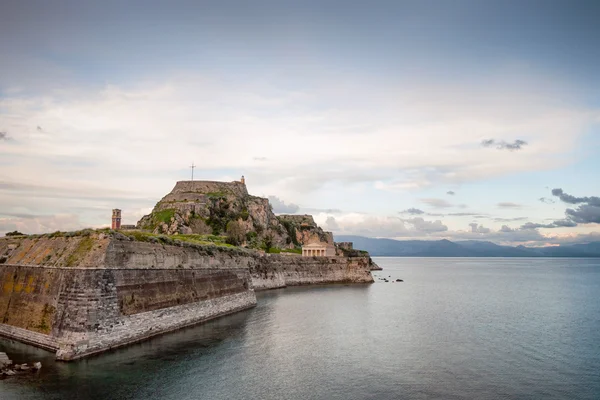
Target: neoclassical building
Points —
{"points": [[318, 249]]}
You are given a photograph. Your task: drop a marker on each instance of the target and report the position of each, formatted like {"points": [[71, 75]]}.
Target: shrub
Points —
{"points": [[295, 251], [267, 242], [235, 233]]}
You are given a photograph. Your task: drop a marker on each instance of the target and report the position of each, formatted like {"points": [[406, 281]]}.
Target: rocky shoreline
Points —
{"points": [[7, 368]]}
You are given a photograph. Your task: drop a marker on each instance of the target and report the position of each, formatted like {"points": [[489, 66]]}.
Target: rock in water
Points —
{"points": [[399, 280], [4, 360], [37, 365]]}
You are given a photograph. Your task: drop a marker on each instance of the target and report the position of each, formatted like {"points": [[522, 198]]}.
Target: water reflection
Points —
{"points": [[455, 328]]}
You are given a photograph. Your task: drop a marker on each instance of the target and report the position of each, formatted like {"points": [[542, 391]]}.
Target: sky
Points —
{"points": [[398, 119]]}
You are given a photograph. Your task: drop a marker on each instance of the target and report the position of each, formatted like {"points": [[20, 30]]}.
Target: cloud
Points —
{"points": [[260, 158], [457, 214], [502, 145], [498, 219], [4, 136], [567, 198], [280, 207], [30, 224], [437, 203], [412, 211], [117, 136], [588, 212], [331, 224], [475, 228], [367, 225], [546, 200], [379, 226], [418, 228], [463, 214], [420, 225], [584, 214], [312, 210], [450, 192], [507, 204], [562, 223]]}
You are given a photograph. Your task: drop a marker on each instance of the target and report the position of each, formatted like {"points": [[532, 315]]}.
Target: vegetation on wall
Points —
{"points": [[235, 233], [159, 217], [84, 246], [290, 229]]}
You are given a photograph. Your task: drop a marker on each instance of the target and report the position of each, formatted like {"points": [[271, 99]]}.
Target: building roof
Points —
{"points": [[317, 245]]}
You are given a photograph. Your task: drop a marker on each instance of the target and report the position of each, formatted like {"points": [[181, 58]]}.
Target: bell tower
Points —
{"points": [[116, 219]]}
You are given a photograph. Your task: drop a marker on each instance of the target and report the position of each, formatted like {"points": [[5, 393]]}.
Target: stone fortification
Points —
{"points": [[83, 294], [133, 291], [280, 270], [207, 207], [190, 190]]}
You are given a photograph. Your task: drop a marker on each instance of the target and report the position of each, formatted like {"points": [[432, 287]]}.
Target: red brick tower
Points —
{"points": [[116, 219]]}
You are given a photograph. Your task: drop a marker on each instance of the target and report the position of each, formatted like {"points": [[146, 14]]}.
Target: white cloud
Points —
{"points": [[437, 203], [40, 223], [420, 229], [476, 228], [129, 144], [281, 207]]}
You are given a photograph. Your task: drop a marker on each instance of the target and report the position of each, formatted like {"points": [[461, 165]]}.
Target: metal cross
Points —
{"points": [[192, 167]]}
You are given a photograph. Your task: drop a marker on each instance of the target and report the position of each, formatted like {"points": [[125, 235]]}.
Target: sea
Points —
{"points": [[454, 328]]}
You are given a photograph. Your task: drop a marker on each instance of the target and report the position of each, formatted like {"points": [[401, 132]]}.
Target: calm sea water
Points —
{"points": [[455, 329]]}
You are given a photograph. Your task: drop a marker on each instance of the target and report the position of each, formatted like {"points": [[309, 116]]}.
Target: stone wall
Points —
{"points": [[183, 189], [81, 311], [278, 270], [121, 291]]}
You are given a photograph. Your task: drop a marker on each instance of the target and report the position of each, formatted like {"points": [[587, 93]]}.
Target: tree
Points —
{"points": [[15, 233], [235, 233]]}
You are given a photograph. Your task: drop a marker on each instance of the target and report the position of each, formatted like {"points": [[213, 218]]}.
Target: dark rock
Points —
{"points": [[399, 280], [120, 236]]}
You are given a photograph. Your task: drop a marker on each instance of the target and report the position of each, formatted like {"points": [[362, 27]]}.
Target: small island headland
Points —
{"points": [[201, 254]]}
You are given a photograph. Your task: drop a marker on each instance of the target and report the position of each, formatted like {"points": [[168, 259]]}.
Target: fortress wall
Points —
{"points": [[59, 251], [131, 254], [141, 290], [82, 311], [135, 290], [29, 297], [275, 271], [184, 188]]}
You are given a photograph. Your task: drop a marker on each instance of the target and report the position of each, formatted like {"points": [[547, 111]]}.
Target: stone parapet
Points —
{"points": [[139, 327]]}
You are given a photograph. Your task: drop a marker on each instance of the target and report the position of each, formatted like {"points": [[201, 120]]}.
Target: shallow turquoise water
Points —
{"points": [[468, 328]]}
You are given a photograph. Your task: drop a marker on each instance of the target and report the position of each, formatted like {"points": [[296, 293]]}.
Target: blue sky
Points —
{"points": [[352, 111]]}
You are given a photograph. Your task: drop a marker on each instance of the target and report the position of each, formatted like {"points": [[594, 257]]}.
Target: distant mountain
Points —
{"points": [[466, 248]]}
